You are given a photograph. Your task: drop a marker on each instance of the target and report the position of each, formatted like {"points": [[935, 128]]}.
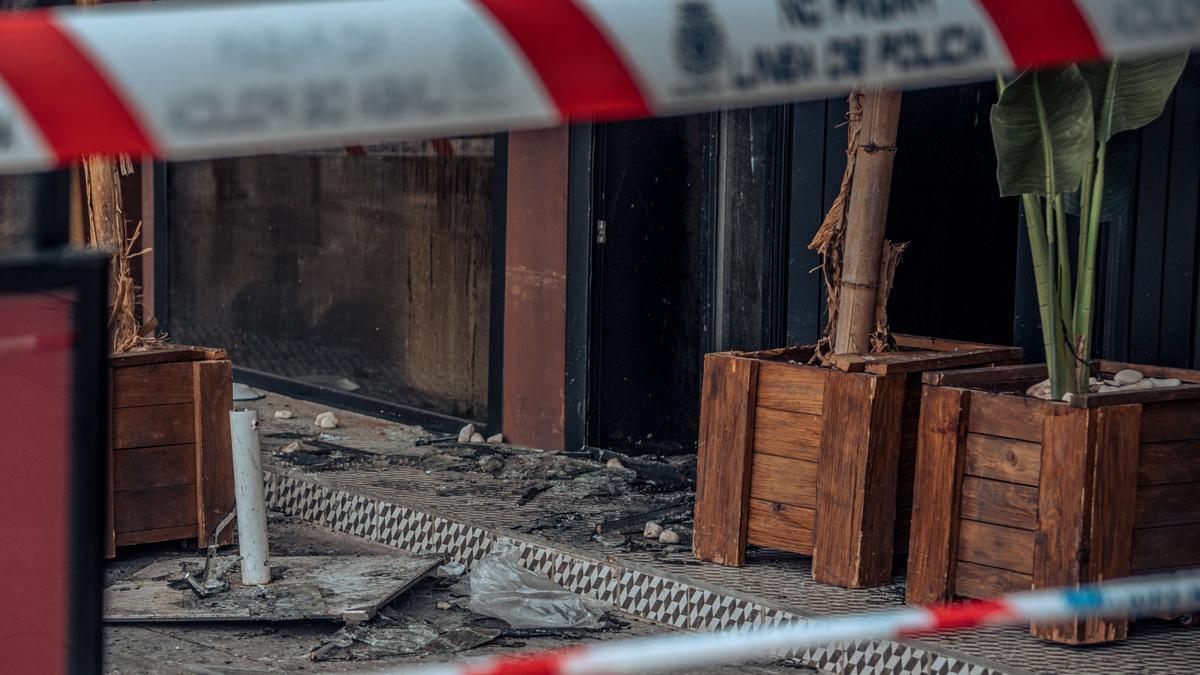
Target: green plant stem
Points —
{"points": [[1040, 254], [1085, 286], [1090, 205], [1064, 261]]}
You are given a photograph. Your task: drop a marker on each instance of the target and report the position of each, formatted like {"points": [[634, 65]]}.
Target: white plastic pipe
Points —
{"points": [[251, 503]]}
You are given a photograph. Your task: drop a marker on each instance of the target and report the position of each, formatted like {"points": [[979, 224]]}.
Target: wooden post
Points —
{"points": [[212, 395], [1086, 505], [941, 450], [866, 221], [856, 482], [535, 289], [723, 480]]}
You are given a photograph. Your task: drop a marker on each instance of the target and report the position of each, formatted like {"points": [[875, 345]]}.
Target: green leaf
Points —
{"points": [[1042, 128], [1131, 93], [1120, 179]]}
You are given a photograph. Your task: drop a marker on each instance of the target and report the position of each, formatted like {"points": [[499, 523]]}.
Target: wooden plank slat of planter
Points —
{"points": [[784, 386], [151, 536], [781, 526], [941, 451], [1086, 507], [996, 546], [787, 434], [784, 480], [137, 468], [1063, 497], [906, 341], [728, 403], [1007, 416], [980, 581], [1160, 548], [153, 425], [999, 503], [166, 353], [1183, 374], [152, 385], [980, 377], [856, 483], [1164, 505], [213, 395], [1003, 459], [921, 361], [155, 508], [1170, 462], [1187, 392], [1170, 421]]}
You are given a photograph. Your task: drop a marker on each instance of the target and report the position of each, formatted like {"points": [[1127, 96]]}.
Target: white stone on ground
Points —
{"points": [[669, 537], [614, 463], [652, 530], [464, 434], [495, 438], [284, 414], [327, 420], [476, 437]]}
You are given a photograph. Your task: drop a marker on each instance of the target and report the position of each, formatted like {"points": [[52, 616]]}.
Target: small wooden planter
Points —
{"points": [[817, 461], [170, 467], [1014, 493]]}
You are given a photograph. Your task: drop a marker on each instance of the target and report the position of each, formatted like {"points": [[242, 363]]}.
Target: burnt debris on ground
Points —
{"points": [[590, 496]]}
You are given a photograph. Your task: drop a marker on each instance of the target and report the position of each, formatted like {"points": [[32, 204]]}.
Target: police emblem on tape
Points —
{"points": [[699, 39]]}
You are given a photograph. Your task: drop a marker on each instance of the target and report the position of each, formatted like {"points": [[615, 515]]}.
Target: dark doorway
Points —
{"points": [[648, 305]]}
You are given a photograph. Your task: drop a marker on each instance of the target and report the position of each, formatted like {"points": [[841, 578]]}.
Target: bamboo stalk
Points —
{"points": [[866, 221]]}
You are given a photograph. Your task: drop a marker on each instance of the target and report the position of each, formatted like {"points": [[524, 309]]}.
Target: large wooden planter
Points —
{"points": [[817, 461], [1014, 493], [170, 468]]}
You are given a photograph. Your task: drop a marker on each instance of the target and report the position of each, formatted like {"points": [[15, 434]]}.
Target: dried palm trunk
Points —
{"points": [[866, 219], [881, 338], [858, 264], [105, 230]]}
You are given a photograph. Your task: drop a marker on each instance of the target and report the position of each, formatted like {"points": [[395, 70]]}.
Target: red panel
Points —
{"points": [[35, 413]]}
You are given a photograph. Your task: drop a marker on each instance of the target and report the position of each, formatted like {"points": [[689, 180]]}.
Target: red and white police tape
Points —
{"points": [[206, 80], [1144, 596]]}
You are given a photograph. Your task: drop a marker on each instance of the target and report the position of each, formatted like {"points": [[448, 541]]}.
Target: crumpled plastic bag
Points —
{"points": [[504, 589]]}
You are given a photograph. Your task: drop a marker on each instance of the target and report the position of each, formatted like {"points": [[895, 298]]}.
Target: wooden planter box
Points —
{"points": [[1014, 493], [817, 461], [170, 467]]}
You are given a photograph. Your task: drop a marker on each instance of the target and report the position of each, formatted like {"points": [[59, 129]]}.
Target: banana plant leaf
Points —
{"points": [[1042, 129], [1120, 182], [1131, 93]]}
